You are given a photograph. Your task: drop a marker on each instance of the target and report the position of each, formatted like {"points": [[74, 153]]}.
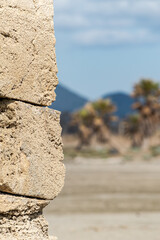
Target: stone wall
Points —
{"points": [[31, 168]]}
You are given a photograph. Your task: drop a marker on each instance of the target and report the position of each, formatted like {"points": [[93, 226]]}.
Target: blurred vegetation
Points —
{"points": [[72, 153], [155, 150], [94, 119], [147, 120], [97, 120]]}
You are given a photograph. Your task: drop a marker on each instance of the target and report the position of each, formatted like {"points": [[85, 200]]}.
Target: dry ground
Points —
{"points": [[108, 199]]}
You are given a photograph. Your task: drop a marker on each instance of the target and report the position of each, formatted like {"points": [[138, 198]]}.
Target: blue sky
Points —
{"points": [[107, 45]]}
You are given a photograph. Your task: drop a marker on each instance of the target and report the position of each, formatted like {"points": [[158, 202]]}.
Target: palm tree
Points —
{"points": [[104, 109], [132, 128], [94, 119], [145, 89], [147, 105], [83, 119], [147, 95]]}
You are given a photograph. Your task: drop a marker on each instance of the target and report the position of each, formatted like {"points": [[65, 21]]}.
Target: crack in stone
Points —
{"points": [[34, 2], [23, 78], [23, 196], [18, 8], [8, 35]]}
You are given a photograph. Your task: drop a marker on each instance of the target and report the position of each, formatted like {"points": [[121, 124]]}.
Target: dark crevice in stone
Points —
{"points": [[8, 35], [15, 99], [23, 196]]}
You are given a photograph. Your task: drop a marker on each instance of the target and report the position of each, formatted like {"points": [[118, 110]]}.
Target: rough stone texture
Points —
{"points": [[30, 150], [21, 218], [27, 51]]}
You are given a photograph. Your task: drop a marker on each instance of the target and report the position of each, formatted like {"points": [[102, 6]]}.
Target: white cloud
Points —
{"points": [[61, 4], [135, 7], [109, 22], [115, 37], [71, 21]]}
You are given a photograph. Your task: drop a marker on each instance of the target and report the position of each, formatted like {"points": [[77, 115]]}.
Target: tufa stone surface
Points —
{"points": [[30, 150], [21, 218], [27, 51]]}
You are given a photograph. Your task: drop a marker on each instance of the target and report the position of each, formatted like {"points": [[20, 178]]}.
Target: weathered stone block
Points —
{"points": [[30, 150], [27, 51], [21, 218]]}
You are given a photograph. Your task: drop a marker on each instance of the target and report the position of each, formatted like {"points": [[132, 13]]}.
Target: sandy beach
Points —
{"points": [[108, 199]]}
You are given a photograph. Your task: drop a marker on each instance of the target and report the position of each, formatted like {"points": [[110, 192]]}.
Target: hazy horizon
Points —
{"points": [[90, 99]]}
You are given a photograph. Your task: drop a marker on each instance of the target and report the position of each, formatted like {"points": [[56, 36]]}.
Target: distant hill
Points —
{"points": [[67, 100], [123, 102]]}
